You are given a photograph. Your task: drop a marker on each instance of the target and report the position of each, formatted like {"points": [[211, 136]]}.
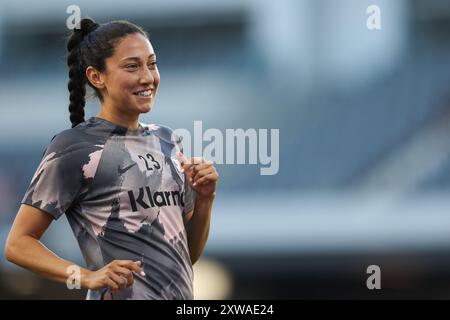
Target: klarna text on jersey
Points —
{"points": [[251, 146]]}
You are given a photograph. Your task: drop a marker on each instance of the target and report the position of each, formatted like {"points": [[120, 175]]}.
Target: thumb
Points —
{"points": [[183, 161]]}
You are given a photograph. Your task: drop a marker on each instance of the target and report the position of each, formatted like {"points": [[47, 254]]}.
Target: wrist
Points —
{"points": [[209, 197], [84, 278]]}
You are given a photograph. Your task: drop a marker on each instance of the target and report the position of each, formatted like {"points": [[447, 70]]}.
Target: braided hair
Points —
{"points": [[91, 45]]}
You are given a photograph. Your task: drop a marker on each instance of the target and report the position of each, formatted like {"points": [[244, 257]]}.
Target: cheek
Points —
{"points": [[124, 84], [156, 77]]}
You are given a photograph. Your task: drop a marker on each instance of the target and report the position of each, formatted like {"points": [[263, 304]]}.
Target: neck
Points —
{"points": [[129, 121]]}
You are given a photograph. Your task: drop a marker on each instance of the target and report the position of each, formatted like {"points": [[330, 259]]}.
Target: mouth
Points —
{"points": [[148, 93]]}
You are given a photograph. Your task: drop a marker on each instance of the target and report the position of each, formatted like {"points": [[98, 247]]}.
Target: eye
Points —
{"points": [[131, 66], [152, 64]]}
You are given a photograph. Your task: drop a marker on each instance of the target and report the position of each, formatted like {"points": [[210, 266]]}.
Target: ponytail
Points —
{"points": [[77, 78]]}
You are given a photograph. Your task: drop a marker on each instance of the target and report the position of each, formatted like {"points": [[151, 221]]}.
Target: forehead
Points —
{"points": [[133, 45]]}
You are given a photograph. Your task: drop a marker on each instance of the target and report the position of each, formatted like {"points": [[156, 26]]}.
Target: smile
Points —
{"points": [[146, 93]]}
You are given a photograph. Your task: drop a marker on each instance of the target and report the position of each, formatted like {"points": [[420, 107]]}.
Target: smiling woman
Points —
{"points": [[119, 63], [130, 82], [140, 211]]}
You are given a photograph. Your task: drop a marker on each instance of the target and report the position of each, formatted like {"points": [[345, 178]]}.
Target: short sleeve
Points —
{"points": [[59, 179]]}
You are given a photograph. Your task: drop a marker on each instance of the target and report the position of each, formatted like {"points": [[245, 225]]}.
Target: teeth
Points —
{"points": [[144, 93]]}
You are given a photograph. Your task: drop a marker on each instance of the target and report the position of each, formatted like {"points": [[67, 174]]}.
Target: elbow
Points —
{"points": [[194, 258], [10, 251]]}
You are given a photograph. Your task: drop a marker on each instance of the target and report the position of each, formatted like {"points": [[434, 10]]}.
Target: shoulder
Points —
{"points": [[66, 138], [73, 141]]}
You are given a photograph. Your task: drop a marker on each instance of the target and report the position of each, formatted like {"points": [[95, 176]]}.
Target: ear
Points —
{"points": [[95, 77]]}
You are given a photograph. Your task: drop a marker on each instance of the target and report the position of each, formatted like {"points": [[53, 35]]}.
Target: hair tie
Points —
{"points": [[87, 29]]}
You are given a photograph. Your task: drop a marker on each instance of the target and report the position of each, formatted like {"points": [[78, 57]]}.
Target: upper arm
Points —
{"points": [[29, 221]]}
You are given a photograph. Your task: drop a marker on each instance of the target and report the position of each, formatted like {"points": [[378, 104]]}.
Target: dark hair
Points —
{"points": [[91, 45]]}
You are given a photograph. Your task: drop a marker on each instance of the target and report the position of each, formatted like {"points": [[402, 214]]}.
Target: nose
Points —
{"points": [[147, 77]]}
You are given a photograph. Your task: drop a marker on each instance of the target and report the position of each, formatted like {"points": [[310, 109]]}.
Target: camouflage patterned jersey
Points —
{"points": [[124, 197]]}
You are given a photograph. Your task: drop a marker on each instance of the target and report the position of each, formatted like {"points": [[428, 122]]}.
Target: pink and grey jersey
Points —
{"points": [[124, 197]]}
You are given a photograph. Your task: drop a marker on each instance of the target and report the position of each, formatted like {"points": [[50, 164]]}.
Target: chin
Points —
{"points": [[145, 109]]}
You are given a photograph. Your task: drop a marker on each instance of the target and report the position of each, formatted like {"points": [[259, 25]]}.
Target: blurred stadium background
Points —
{"points": [[364, 119]]}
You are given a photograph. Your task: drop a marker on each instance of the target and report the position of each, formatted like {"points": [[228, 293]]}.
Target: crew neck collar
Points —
{"points": [[140, 128]]}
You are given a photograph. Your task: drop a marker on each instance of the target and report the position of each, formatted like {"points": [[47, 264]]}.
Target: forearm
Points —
{"points": [[198, 226], [30, 253]]}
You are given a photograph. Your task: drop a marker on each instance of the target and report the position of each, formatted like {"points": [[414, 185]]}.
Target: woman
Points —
{"points": [[140, 211]]}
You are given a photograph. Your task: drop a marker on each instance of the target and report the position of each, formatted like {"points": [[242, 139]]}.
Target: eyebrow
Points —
{"points": [[137, 58]]}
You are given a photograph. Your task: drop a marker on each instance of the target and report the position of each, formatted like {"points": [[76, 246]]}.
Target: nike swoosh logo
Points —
{"points": [[123, 170]]}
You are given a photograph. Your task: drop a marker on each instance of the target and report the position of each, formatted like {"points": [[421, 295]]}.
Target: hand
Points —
{"points": [[201, 174], [116, 275]]}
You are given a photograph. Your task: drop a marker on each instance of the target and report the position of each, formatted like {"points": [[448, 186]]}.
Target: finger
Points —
{"points": [[136, 267], [199, 167], [133, 266], [204, 171], [193, 169], [181, 157], [124, 263], [182, 160], [210, 177], [112, 285], [126, 273], [201, 173], [121, 282], [193, 160], [129, 264], [188, 163]]}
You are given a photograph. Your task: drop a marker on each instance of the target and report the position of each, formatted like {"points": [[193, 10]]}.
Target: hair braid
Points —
{"points": [[77, 79]]}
